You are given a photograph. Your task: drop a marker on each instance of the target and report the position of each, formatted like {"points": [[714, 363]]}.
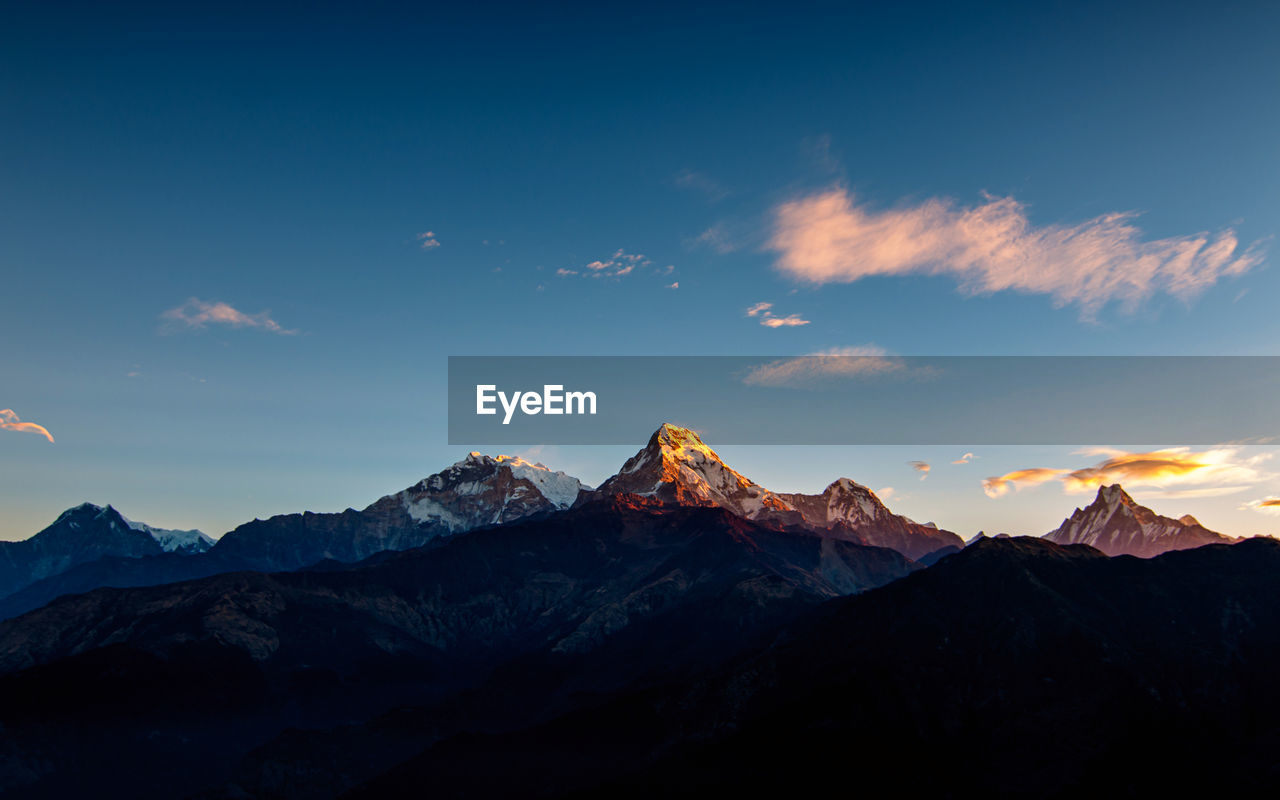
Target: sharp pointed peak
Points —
{"points": [[675, 435], [1113, 494]]}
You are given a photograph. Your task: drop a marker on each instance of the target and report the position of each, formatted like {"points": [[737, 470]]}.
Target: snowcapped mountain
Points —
{"points": [[173, 541], [676, 466], [484, 490], [83, 534], [477, 491], [846, 505], [1117, 525]]}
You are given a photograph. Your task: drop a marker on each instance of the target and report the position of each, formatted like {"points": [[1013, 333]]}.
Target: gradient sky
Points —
{"points": [[221, 299]]}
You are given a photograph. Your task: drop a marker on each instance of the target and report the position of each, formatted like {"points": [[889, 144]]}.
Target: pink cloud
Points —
{"points": [[197, 314], [830, 238]]}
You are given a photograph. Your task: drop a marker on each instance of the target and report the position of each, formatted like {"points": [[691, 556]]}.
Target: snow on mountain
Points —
{"points": [[1117, 525], [173, 541], [676, 466], [848, 505], [484, 490]]}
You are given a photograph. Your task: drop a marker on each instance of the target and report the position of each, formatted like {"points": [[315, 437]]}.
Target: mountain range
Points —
{"points": [[678, 629], [480, 491]]}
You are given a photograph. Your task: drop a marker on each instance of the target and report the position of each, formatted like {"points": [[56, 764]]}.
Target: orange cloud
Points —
{"points": [[1151, 468], [1179, 471], [198, 314], [1001, 485], [9, 421], [830, 238], [922, 467], [964, 459], [1270, 505]]}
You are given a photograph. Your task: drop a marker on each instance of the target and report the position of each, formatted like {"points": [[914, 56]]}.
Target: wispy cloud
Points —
{"points": [[198, 314], [673, 285], [9, 421], [701, 183], [964, 459], [767, 318], [831, 238], [1268, 505], [835, 363], [717, 237], [922, 467], [789, 321], [1001, 485], [427, 240], [618, 265], [1177, 471]]}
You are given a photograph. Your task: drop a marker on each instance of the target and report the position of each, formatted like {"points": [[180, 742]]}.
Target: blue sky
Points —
{"points": [[287, 164]]}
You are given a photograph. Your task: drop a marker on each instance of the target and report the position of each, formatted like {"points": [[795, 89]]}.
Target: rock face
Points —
{"points": [[677, 467], [479, 490], [846, 505], [1117, 525], [81, 535]]}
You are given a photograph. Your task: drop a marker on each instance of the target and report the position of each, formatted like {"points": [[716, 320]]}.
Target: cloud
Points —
{"points": [[9, 421], [717, 238], [428, 240], [964, 459], [789, 321], [886, 493], [198, 314], [1000, 486], [1269, 505], [830, 238], [771, 320], [698, 182], [922, 467], [1177, 471], [618, 265], [836, 363], [1178, 466], [674, 285]]}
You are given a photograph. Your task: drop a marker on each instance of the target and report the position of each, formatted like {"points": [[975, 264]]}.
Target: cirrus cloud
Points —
{"points": [[10, 421], [197, 314], [829, 237]]}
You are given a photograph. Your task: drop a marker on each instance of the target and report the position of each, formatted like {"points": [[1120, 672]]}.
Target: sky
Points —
{"points": [[237, 245]]}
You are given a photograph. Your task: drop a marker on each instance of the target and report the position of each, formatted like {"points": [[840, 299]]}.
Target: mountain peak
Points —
{"points": [[1114, 495], [1117, 524], [677, 466]]}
